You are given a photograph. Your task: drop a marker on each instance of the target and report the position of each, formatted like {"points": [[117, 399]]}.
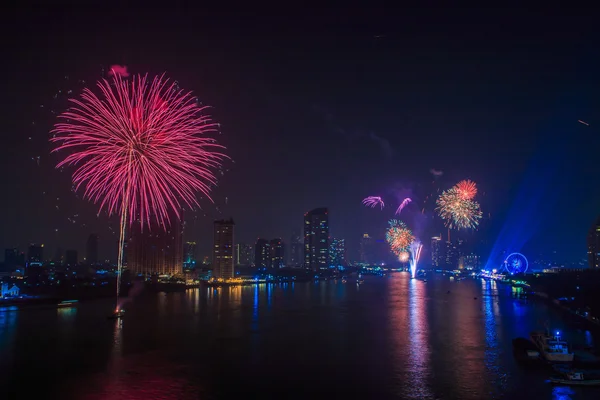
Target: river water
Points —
{"points": [[390, 337]]}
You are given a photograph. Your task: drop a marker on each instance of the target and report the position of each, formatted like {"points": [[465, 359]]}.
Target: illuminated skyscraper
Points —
{"points": [[450, 255], [189, 255], [593, 245], [35, 254], [295, 252], [262, 254], [337, 252], [436, 251], [367, 249], [277, 253], [244, 254], [91, 250], [316, 239], [472, 262], [154, 250], [223, 249]]}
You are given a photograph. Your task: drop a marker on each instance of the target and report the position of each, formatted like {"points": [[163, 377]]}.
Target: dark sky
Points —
{"points": [[323, 108]]}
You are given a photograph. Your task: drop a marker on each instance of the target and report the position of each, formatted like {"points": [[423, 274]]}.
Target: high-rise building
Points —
{"points": [[59, 256], [316, 239], [337, 252], [277, 253], [436, 251], [154, 250], [244, 254], [471, 261], [262, 254], [451, 253], [91, 250], [71, 258], [295, 252], [367, 249], [223, 246], [189, 255], [11, 257], [593, 245], [35, 254]]}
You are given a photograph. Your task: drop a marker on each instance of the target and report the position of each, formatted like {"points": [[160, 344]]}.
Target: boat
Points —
{"points": [[119, 313], [576, 378], [553, 349], [68, 303]]}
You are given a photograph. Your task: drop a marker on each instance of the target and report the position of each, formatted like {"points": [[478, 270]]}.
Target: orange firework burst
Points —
{"points": [[404, 256], [467, 189], [398, 236]]}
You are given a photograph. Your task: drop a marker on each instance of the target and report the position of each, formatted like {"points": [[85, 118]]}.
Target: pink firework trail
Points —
{"points": [[402, 205], [373, 201], [139, 150], [139, 147]]}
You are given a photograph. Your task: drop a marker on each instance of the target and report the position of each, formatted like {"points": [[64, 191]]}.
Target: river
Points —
{"points": [[391, 337]]}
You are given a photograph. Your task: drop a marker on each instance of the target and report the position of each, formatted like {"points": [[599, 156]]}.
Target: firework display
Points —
{"points": [[402, 205], [415, 252], [467, 189], [456, 211], [139, 145], [139, 150], [373, 201], [404, 256], [398, 236]]}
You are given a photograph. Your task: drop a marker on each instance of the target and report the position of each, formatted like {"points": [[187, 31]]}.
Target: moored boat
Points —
{"points": [[68, 303], [553, 349], [578, 378]]}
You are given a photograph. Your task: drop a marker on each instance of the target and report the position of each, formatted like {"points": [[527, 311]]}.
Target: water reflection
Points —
{"points": [[468, 335], [8, 319], [562, 393], [418, 354], [66, 315], [493, 333], [8, 325]]}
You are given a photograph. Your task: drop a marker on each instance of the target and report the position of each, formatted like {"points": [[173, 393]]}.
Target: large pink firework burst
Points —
{"points": [[139, 148]]}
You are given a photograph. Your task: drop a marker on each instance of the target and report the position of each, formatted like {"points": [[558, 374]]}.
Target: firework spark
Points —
{"points": [[415, 251], [467, 189], [373, 201], [456, 211], [404, 256], [398, 236], [139, 145], [402, 205]]}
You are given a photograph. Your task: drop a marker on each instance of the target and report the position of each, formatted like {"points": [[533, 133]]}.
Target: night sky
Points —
{"points": [[325, 110]]}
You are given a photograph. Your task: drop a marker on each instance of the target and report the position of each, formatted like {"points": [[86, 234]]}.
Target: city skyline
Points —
{"points": [[332, 128]]}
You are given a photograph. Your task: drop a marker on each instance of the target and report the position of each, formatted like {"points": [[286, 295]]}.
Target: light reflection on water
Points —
{"points": [[418, 355], [391, 337]]}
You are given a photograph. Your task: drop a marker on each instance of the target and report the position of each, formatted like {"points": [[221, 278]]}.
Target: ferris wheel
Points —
{"points": [[516, 263]]}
